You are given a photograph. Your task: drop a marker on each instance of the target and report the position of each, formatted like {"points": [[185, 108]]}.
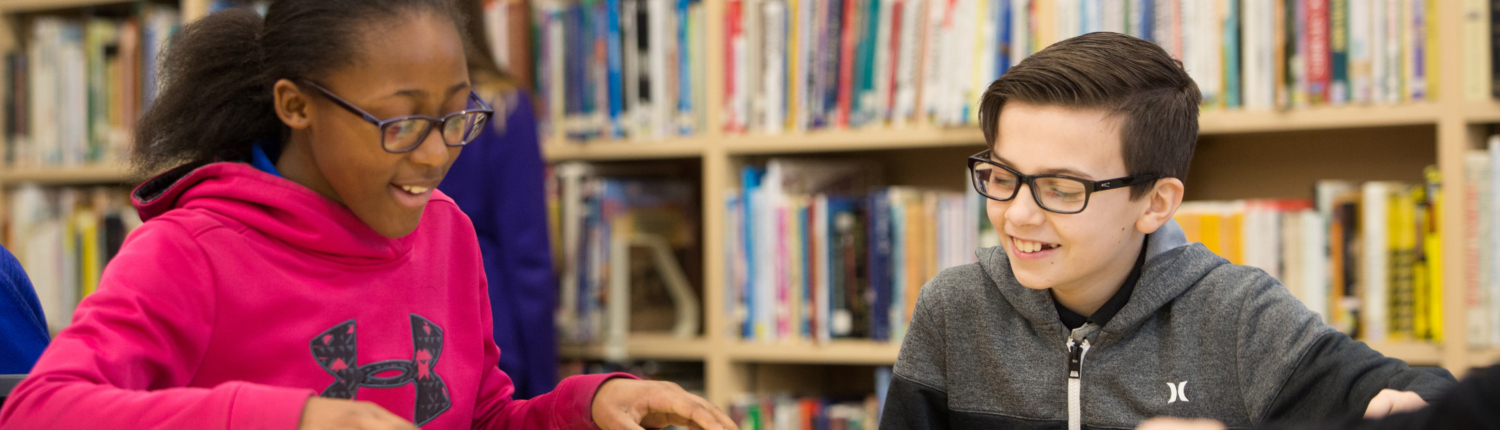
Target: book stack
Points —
{"points": [[78, 88], [1364, 256], [602, 211], [621, 69], [64, 237], [818, 250]]}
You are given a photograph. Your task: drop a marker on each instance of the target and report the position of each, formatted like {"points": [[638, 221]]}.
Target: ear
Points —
{"points": [[1161, 204], [292, 105]]}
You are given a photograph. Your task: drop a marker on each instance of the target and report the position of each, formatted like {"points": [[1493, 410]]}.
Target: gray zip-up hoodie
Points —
{"points": [[1199, 337]]}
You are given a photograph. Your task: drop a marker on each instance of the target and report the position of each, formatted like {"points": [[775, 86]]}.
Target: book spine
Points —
{"points": [[1319, 55], [1338, 42]]}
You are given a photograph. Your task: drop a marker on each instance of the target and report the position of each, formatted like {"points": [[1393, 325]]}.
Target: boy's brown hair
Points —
{"points": [[1115, 72]]}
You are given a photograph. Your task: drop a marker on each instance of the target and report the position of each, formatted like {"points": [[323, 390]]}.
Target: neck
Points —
{"points": [[298, 165], [1087, 295]]}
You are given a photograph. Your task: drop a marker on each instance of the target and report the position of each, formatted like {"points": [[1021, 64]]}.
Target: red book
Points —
{"points": [[734, 29], [848, 40], [1319, 52]]}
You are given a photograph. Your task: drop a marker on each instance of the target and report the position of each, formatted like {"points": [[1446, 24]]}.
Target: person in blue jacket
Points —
{"points": [[499, 182], [23, 328]]}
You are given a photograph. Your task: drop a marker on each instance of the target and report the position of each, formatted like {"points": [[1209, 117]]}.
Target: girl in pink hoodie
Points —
{"points": [[274, 294]]}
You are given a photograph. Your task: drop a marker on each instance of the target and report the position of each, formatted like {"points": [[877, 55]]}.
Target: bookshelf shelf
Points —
{"points": [[851, 352], [564, 150], [854, 140], [96, 174], [1484, 357], [642, 347], [1482, 112], [1212, 122]]}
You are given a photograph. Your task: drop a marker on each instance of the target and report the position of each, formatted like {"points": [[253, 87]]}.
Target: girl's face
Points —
{"points": [[410, 66]]}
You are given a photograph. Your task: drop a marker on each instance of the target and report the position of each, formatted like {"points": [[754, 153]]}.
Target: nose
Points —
{"points": [[1023, 210], [432, 152]]}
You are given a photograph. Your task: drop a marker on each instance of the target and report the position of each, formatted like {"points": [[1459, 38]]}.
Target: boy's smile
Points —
{"points": [[1084, 257]]}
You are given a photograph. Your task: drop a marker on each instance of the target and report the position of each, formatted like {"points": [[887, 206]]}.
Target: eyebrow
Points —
{"points": [[1050, 171], [416, 93]]}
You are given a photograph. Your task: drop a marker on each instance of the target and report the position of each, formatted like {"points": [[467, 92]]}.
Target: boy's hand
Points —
{"points": [[628, 404], [1391, 401], [1168, 423], [339, 414]]}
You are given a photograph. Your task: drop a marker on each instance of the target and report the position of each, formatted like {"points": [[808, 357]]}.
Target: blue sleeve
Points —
{"points": [[499, 181], [23, 328]]}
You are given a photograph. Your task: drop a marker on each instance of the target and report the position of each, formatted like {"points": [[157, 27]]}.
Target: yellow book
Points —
{"points": [[90, 261], [1045, 22], [1233, 236], [1402, 230], [1211, 232], [1433, 247], [1190, 225]]}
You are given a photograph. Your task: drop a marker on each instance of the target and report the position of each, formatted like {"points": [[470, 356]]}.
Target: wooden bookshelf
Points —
{"points": [[82, 175], [852, 352], [1457, 125]]}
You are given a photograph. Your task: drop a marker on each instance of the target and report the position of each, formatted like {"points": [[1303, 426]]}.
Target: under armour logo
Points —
{"points": [[1179, 391], [335, 351]]}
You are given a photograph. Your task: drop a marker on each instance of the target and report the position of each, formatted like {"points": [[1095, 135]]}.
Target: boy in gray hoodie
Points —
{"points": [[1095, 312]]}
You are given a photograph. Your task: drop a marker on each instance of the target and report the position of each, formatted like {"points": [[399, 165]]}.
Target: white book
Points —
{"points": [[1493, 240], [1395, 48], [1090, 17], [1069, 17], [1360, 59], [1476, 250], [752, 86], [1112, 17], [822, 266], [1262, 238], [774, 74], [960, 64], [931, 75], [1476, 60], [662, 39], [805, 63], [986, 49], [874, 100], [734, 264], [1020, 30], [74, 98], [1291, 254], [1257, 56], [1374, 277], [908, 65], [1314, 243], [1134, 17]]}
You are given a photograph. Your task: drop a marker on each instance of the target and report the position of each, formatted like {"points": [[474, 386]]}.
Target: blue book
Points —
{"points": [[1003, 25], [880, 264], [1147, 16], [750, 178], [614, 65], [685, 58], [1232, 56]]}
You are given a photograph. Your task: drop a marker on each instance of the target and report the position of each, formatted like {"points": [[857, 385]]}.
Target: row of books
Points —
{"points": [[81, 83], [63, 238], [617, 69], [810, 64], [817, 250], [631, 261], [786, 412], [1367, 257]]}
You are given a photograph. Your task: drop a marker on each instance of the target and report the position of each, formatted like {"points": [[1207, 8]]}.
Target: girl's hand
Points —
{"points": [[339, 414], [628, 404], [1390, 401]]}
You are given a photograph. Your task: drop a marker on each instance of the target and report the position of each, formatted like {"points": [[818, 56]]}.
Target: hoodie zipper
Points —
{"points": [[1076, 351]]}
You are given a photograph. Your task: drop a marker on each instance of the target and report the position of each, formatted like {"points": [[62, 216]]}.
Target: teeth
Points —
{"points": [[414, 190], [1029, 246]]}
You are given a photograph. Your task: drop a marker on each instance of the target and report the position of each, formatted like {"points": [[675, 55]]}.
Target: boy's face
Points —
{"points": [[1078, 252]]}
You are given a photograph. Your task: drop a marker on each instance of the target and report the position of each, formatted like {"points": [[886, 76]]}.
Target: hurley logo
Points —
{"points": [[1179, 391], [335, 351]]}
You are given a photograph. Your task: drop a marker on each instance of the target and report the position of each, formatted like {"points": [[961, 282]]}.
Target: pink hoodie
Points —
{"points": [[245, 293]]}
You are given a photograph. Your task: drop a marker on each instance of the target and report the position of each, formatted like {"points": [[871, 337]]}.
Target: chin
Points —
{"points": [[396, 228], [1030, 281]]}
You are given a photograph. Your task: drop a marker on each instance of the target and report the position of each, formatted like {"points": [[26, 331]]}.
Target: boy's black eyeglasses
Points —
{"points": [[1055, 193], [403, 134]]}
